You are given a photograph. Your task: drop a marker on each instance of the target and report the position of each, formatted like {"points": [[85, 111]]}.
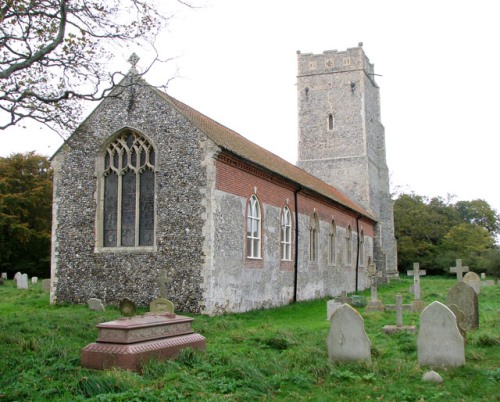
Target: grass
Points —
{"points": [[267, 355]]}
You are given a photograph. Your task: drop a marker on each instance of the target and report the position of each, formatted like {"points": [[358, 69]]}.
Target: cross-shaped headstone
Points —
{"points": [[133, 60], [399, 307], [163, 280], [372, 272], [459, 270], [417, 273], [343, 298]]}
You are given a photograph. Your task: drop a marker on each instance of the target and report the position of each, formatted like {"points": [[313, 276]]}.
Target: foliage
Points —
{"points": [[268, 355], [435, 233], [54, 53], [25, 214]]}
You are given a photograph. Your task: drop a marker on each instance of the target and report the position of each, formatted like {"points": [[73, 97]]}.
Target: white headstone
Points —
{"points": [[347, 339], [95, 304], [17, 275], [472, 279], [22, 281], [483, 275], [439, 342], [4, 275], [34, 279]]}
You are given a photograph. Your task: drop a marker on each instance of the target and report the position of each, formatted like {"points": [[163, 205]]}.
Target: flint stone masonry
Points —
{"points": [[439, 342]]}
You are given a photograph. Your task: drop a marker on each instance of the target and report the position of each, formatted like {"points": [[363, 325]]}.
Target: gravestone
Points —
{"points": [[459, 270], [398, 307], [93, 303], [417, 304], [472, 279], [489, 282], [4, 275], [46, 285], [163, 280], [374, 304], [439, 342], [22, 281], [460, 316], [331, 306], [343, 298], [483, 275], [34, 279], [17, 275], [161, 305], [466, 300], [127, 307], [347, 339]]}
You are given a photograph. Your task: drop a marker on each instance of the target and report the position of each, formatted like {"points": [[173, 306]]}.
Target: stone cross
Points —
{"points": [[372, 271], [343, 298], [163, 280], [459, 270], [133, 60], [417, 273], [399, 307]]}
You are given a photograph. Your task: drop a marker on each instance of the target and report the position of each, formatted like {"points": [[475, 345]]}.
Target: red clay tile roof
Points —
{"points": [[240, 146]]}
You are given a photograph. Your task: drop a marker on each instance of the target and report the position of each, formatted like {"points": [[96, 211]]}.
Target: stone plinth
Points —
{"points": [[392, 329], [129, 343]]}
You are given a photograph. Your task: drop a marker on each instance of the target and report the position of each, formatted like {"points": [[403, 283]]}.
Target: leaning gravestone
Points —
{"points": [[161, 305], [22, 281], [347, 339], [93, 303], [473, 280], [466, 300], [439, 342]]}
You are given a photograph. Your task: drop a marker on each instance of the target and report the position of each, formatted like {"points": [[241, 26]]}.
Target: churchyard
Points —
{"points": [[276, 354]]}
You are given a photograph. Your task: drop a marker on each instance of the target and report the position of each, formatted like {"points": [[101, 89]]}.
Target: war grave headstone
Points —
{"points": [[459, 270], [398, 307], [439, 342], [46, 285], [93, 303], [34, 279], [22, 281], [417, 305], [472, 279], [374, 304], [466, 300], [4, 275], [347, 339]]}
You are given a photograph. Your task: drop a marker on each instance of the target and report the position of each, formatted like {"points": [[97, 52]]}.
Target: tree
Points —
{"points": [[25, 214], [53, 53], [480, 213]]}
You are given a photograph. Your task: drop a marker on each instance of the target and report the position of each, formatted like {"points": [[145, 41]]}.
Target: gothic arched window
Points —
{"points": [[313, 238], [286, 234], [128, 192], [332, 244], [253, 228]]}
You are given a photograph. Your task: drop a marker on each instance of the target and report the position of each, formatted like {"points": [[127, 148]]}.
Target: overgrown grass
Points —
{"points": [[267, 355]]}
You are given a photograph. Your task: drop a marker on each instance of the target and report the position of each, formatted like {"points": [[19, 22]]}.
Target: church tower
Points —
{"points": [[341, 138]]}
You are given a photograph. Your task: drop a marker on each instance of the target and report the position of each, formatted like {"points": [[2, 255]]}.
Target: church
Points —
{"points": [[147, 188]]}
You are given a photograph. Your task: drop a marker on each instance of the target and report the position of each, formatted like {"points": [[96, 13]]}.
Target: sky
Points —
{"points": [[437, 61]]}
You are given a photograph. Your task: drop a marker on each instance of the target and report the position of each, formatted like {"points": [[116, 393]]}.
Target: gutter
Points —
{"points": [[357, 253]]}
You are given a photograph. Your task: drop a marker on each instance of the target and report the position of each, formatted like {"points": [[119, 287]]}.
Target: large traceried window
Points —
{"points": [[332, 244], [348, 246], [286, 234], [129, 188], [313, 238], [253, 228]]}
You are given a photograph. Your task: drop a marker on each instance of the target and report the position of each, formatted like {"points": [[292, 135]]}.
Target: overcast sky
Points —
{"points": [[439, 85]]}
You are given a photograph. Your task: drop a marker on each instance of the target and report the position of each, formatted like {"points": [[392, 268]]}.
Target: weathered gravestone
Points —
{"points": [[460, 316], [34, 279], [127, 307], [472, 279], [4, 275], [93, 303], [439, 342], [417, 305], [398, 307], [22, 281], [459, 270], [46, 285], [161, 305], [347, 339], [374, 304], [466, 300]]}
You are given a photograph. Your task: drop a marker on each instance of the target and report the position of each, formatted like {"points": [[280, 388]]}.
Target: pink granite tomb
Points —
{"points": [[129, 343]]}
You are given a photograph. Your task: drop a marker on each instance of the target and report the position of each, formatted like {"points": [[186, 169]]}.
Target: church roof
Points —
{"points": [[237, 144]]}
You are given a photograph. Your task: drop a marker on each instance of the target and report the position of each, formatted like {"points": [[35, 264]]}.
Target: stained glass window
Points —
{"points": [[129, 186]]}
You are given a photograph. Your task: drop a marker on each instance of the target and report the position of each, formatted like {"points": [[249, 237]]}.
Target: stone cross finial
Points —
{"points": [[133, 60], [459, 270], [417, 273], [163, 280]]}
